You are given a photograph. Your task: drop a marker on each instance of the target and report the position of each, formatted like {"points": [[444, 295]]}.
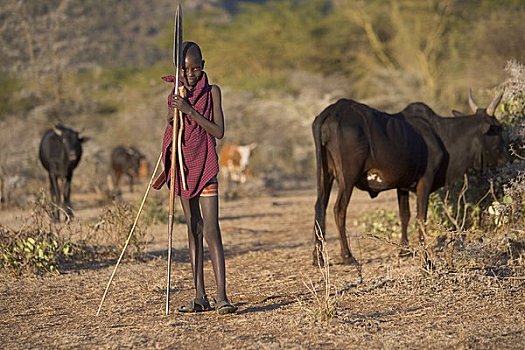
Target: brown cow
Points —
{"points": [[127, 161]]}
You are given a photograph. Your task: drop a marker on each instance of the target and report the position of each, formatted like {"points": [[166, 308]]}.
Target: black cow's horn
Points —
{"points": [[471, 102], [57, 131], [491, 109]]}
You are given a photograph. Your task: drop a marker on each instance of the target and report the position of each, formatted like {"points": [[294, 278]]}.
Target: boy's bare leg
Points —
{"points": [[194, 224], [212, 234]]}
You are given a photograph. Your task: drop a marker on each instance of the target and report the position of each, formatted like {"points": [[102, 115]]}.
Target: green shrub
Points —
{"points": [[381, 222], [115, 224], [156, 212], [460, 206], [32, 251]]}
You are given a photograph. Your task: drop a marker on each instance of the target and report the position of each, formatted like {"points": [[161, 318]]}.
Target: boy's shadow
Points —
{"points": [[261, 308]]}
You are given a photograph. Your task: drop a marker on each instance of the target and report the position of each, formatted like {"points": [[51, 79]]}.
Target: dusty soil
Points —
{"points": [[268, 250]]}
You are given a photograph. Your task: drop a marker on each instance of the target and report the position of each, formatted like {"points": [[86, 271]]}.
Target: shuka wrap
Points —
{"points": [[198, 146]]}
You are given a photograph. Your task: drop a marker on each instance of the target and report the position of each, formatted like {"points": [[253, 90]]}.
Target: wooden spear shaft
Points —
{"points": [[171, 211], [177, 61], [130, 234]]}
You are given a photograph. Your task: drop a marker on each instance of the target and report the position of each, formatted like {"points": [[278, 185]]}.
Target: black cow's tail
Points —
{"points": [[320, 134], [320, 138]]}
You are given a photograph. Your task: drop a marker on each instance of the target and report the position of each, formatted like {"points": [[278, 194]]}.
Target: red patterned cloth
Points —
{"points": [[198, 146]]}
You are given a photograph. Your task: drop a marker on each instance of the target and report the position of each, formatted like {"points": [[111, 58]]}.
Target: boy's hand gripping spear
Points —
{"points": [[177, 133]]}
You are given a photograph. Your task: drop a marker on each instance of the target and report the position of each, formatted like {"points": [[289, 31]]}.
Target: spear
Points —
{"points": [[177, 61]]}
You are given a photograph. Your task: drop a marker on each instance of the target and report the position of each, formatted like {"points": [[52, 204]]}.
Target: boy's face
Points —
{"points": [[192, 70]]}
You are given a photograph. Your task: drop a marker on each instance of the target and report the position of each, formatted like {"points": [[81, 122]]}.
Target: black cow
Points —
{"points": [[128, 161], [415, 150], [60, 152]]}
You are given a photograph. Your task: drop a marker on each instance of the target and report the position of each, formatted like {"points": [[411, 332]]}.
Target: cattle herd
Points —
{"points": [[61, 150], [414, 150]]}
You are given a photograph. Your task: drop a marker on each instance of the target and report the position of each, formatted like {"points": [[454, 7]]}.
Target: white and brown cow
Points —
{"points": [[234, 160]]}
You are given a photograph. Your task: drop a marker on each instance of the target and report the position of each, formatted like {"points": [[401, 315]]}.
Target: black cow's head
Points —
{"points": [[135, 158], [71, 141], [494, 149]]}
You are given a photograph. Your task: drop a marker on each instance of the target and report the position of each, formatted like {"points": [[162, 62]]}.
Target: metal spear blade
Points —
{"points": [[177, 46]]}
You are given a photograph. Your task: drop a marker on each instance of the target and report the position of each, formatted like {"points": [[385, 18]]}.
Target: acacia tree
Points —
{"points": [[45, 41], [42, 41]]}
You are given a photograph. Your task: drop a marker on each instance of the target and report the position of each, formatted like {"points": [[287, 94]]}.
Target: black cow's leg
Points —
{"points": [[340, 207], [423, 194], [55, 196], [422, 206], [404, 218], [323, 195], [130, 183], [116, 178], [67, 195]]}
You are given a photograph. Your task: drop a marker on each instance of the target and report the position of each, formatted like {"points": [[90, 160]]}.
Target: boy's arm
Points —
{"points": [[169, 117], [215, 127]]}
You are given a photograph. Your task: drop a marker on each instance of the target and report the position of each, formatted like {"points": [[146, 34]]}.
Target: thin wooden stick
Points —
{"points": [[182, 93], [130, 234], [171, 211]]}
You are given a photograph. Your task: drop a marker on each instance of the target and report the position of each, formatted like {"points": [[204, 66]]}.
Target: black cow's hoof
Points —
{"points": [[318, 261], [428, 262], [429, 265], [405, 253], [350, 260]]}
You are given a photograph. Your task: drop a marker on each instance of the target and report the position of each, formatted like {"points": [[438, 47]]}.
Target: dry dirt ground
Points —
{"points": [[269, 265]]}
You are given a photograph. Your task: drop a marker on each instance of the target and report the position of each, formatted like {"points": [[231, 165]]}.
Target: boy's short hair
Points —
{"points": [[190, 45]]}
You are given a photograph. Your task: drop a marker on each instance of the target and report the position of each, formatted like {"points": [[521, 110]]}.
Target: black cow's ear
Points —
{"points": [[494, 129], [491, 129], [485, 127], [84, 138], [457, 113]]}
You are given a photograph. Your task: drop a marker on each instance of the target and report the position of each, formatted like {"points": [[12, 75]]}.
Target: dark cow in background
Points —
{"points": [[60, 152], [415, 150], [127, 161]]}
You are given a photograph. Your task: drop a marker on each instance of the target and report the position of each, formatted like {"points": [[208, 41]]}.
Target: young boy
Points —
{"points": [[203, 123]]}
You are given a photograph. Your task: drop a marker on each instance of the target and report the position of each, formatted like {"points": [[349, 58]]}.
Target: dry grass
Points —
{"points": [[268, 250], [324, 300]]}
